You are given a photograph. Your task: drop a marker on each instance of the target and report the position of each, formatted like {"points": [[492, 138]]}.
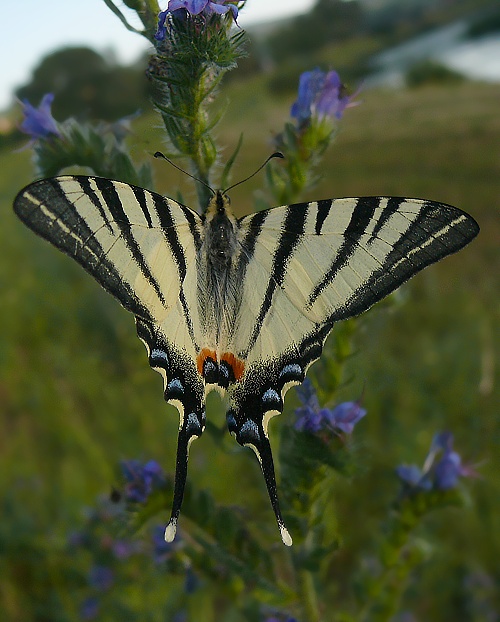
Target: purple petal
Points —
{"points": [[410, 474], [215, 7], [346, 415], [448, 470], [307, 394], [413, 476], [194, 7], [308, 420], [39, 122], [161, 29], [310, 84], [443, 440]]}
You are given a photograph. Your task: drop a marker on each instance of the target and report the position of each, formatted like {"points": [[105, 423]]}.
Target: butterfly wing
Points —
{"points": [[307, 266], [141, 247]]}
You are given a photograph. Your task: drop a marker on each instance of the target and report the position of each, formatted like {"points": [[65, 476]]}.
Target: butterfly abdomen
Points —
{"points": [[217, 286]]}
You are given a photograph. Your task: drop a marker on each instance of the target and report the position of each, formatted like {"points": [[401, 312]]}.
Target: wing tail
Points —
{"points": [[249, 432], [184, 389], [192, 428]]}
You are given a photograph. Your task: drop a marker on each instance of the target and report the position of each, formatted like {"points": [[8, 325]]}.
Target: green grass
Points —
{"points": [[77, 395]]}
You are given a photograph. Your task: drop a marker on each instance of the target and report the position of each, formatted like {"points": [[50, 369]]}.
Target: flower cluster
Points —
{"points": [[435, 474], [312, 418], [180, 8], [321, 94]]}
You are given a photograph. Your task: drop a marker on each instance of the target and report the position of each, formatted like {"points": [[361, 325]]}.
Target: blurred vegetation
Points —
{"points": [[77, 394], [429, 72], [487, 23], [87, 85]]}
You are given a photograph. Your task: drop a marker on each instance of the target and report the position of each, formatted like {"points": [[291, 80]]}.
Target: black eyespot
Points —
{"points": [[210, 371], [226, 374]]}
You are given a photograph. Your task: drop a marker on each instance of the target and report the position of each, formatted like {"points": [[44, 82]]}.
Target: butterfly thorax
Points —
{"points": [[217, 287]]}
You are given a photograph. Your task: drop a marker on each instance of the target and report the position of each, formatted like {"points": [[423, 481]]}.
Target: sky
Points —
{"points": [[29, 29]]}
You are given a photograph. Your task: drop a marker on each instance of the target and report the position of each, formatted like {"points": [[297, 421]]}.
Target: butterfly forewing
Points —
{"points": [[347, 254]]}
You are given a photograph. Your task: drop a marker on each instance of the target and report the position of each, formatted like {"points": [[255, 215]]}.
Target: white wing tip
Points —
{"points": [[285, 536], [171, 530]]}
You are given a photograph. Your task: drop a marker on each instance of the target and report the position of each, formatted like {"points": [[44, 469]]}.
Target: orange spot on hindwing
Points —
{"points": [[223, 372], [235, 364], [206, 363]]}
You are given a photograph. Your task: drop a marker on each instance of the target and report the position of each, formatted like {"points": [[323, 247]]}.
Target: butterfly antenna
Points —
{"points": [[276, 154], [159, 154]]}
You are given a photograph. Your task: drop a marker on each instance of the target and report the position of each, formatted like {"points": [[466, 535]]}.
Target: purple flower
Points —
{"points": [[179, 8], [312, 418], [39, 122], [441, 474], [322, 95], [310, 85], [101, 578], [161, 29], [140, 479], [89, 609]]}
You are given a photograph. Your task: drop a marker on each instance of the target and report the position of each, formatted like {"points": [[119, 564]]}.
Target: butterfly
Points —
{"points": [[242, 306]]}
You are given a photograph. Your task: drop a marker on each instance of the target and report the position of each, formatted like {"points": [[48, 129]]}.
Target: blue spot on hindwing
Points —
{"points": [[158, 357], [193, 427], [271, 399], [292, 371], [175, 389], [249, 433]]}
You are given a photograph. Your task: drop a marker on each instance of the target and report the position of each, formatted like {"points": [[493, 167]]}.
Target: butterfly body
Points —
{"points": [[244, 305]]}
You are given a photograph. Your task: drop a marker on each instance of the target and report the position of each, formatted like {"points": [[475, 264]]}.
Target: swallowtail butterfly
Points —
{"points": [[243, 305]]}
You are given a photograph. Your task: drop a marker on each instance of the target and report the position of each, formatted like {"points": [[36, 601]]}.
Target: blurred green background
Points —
{"points": [[77, 394]]}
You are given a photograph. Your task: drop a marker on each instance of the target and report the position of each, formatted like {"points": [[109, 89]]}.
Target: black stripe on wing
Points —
{"points": [[111, 200], [436, 231], [96, 202], [168, 226], [361, 217], [46, 210], [291, 233]]}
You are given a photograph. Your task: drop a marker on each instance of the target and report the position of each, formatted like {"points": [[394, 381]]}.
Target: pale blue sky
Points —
{"points": [[29, 29]]}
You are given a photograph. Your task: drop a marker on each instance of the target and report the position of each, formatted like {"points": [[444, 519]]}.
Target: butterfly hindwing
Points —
{"points": [[309, 265]]}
